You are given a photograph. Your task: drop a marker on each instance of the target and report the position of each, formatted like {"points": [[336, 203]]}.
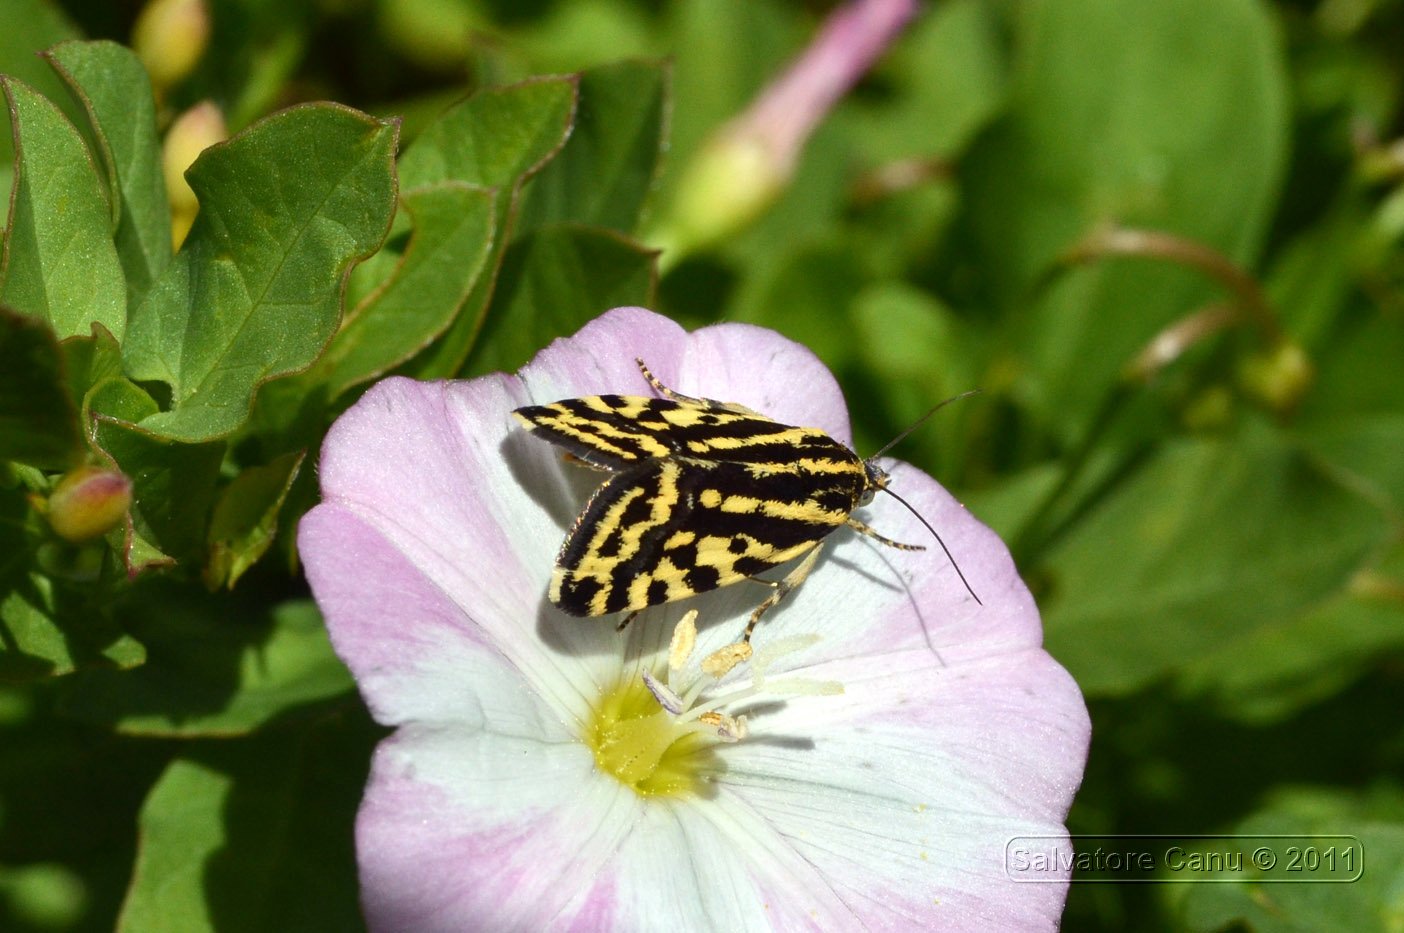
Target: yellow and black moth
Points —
{"points": [[703, 494]]}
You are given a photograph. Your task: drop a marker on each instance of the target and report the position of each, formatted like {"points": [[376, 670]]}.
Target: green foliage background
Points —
{"points": [[1214, 537]]}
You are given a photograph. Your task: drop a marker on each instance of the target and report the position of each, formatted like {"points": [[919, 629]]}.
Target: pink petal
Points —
{"points": [[474, 830], [740, 363]]}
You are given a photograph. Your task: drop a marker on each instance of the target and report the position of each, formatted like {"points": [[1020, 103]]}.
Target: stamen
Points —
{"points": [[684, 638], [722, 661], [663, 694]]}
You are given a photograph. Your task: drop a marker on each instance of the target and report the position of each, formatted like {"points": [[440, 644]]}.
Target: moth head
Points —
{"points": [[877, 479]]}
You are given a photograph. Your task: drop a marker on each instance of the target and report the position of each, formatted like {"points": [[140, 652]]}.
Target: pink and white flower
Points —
{"points": [[537, 780]]}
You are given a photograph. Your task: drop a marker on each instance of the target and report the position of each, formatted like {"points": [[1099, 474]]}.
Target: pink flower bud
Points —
{"points": [[88, 502]]}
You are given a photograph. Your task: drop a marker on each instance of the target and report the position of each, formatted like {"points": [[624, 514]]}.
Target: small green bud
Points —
{"points": [[88, 502], [1278, 377], [727, 185]]}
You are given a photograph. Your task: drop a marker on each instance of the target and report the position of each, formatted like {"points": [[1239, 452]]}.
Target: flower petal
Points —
{"points": [[928, 776], [864, 597], [739, 363], [768, 373], [432, 468], [600, 357], [471, 830]]}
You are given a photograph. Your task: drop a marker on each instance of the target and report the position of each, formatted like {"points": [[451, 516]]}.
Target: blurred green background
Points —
{"points": [[1163, 237]]}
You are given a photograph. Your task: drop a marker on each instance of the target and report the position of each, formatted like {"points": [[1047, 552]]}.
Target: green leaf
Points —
{"points": [[60, 264], [606, 170], [91, 360], [1305, 659], [1164, 114], [802, 292], [30, 27], [1210, 539], [173, 483], [46, 629], [246, 518], [497, 138], [256, 290], [1369, 903], [453, 226], [113, 87], [253, 835], [552, 282], [217, 667], [38, 420], [920, 354], [1353, 418], [947, 75]]}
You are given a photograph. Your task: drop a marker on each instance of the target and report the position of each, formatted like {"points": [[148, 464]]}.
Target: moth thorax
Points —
{"points": [[877, 479]]}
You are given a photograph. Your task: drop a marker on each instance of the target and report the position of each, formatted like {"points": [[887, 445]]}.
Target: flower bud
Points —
{"points": [[1278, 377], [748, 162], [191, 134], [169, 37], [88, 502]]}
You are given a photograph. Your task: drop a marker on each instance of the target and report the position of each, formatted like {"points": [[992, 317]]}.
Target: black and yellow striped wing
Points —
{"points": [[704, 494], [670, 528], [615, 431]]}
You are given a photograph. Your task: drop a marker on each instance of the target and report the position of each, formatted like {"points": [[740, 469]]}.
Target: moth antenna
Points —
{"points": [[949, 556], [918, 423]]}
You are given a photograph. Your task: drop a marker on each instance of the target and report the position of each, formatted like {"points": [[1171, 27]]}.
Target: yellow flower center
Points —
{"points": [[645, 746]]}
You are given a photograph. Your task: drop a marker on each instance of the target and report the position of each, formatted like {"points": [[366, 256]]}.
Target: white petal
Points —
{"points": [[908, 789], [464, 830]]}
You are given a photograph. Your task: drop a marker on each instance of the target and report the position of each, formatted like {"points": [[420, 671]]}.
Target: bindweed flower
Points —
{"points": [[748, 162], [864, 768]]}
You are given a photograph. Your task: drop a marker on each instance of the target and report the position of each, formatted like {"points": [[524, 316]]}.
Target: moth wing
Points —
{"points": [[609, 431], [617, 431], [667, 529]]}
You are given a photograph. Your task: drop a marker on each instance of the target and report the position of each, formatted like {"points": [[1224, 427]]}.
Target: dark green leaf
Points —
{"points": [[253, 835], [46, 627], [217, 666], [1305, 659], [30, 27], [60, 264], [112, 86], [173, 483], [1210, 539], [91, 360], [1370, 903], [552, 282], [605, 171], [1121, 113], [256, 290], [246, 518], [453, 226], [493, 138], [497, 138], [802, 293], [38, 419]]}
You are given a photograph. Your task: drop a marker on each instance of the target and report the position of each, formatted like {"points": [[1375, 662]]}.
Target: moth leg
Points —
{"points": [[709, 403], [863, 529], [624, 622], [666, 392], [581, 461], [781, 587]]}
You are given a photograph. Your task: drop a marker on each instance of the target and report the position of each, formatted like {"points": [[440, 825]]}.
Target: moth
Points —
{"points": [[702, 494]]}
